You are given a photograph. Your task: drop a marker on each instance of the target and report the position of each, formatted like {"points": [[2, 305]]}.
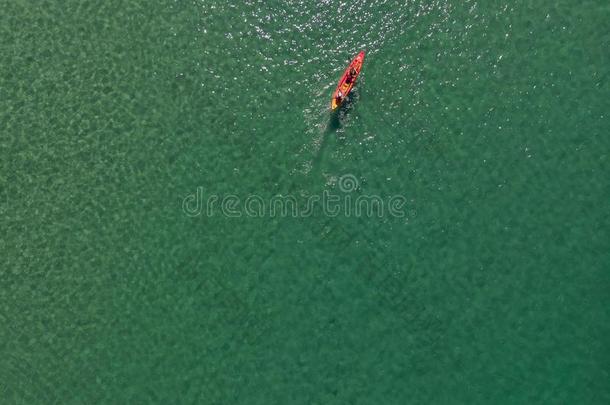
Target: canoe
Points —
{"points": [[343, 85]]}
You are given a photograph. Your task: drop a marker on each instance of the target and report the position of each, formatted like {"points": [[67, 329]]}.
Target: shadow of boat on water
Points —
{"points": [[336, 120], [340, 115]]}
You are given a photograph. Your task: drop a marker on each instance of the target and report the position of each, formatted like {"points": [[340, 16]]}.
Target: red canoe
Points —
{"points": [[345, 85]]}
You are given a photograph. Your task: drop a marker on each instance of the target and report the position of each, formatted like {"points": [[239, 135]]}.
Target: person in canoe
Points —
{"points": [[339, 97], [350, 76]]}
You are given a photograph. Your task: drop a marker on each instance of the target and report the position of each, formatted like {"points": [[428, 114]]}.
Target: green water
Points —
{"points": [[489, 118]]}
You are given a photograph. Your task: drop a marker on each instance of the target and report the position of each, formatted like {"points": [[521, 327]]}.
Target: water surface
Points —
{"points": [[490, 118]]}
